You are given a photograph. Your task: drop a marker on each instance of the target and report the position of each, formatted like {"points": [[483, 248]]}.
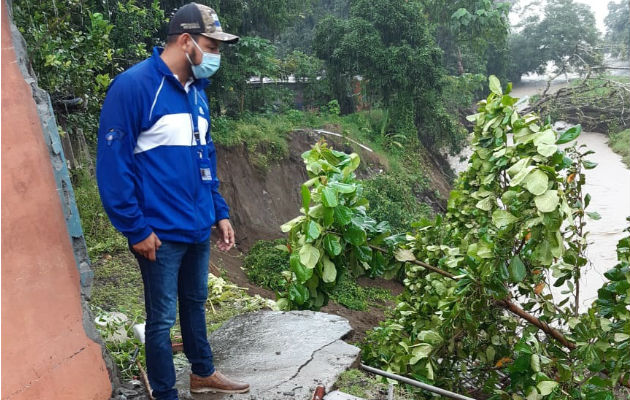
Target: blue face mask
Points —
{"points": [[209, 64]]}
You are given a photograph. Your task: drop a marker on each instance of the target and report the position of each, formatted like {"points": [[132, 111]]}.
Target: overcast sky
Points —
{"points": [[599, 7]]}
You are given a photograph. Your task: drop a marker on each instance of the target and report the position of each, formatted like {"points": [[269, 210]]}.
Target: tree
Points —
{"points": [[565, 35], [471, 33], [618, 29], [388, 43]]}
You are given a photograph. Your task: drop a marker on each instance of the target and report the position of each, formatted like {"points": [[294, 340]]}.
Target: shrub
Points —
{"points": [[265, 262], [393, 198]]}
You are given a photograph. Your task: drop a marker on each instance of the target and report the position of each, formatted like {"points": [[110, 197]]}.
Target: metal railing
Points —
{"points": [[415, 383]]}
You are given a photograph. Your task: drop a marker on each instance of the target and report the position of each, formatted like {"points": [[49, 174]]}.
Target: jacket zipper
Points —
{"points": [[195, 164]]}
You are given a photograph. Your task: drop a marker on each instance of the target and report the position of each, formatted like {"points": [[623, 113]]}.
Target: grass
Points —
{"points": [[368, 386], [351, 295], [118, 284], [100, 236], [265, 135], [620, 144], [265, 262]]}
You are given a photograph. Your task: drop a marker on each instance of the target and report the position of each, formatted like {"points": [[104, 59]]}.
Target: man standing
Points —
{"points": [[156, 172]]}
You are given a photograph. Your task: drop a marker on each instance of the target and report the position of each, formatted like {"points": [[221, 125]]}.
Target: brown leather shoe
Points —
{"points": [[216, 382]]}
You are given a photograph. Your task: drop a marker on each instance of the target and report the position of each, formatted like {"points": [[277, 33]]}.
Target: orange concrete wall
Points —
{"points": [[45, 351]]}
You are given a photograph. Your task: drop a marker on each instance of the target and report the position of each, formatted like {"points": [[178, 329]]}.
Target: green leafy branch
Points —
{"points": [[513, 228]]}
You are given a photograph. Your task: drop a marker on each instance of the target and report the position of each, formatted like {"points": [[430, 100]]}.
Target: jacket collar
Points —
{"points": [[161, 66]]}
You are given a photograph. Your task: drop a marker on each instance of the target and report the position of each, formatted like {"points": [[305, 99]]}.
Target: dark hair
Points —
{"points": [[173, 38]]}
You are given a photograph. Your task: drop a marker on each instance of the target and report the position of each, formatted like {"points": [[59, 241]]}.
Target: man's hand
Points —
{"points": [[148, 247], [226, 235]]}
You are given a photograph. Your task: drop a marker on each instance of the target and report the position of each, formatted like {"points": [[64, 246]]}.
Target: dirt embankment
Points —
{"points": [[261, 201]]}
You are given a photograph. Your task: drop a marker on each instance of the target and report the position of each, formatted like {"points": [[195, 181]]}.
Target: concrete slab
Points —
{"points": [[337, 395], [283, 355]]}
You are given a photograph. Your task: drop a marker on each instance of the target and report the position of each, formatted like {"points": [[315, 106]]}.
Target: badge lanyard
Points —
{"points": [[202, 159]]}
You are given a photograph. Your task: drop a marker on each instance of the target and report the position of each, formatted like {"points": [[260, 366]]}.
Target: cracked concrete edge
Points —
{"points": [[65, 190], [326, 354]]}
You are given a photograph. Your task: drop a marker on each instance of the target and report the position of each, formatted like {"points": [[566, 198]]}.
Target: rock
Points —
{"points": [[126, 392], [133, 384], [282, 355]]}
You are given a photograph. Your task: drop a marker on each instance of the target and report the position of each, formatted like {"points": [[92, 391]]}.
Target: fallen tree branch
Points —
{"points": [[505, 304]]}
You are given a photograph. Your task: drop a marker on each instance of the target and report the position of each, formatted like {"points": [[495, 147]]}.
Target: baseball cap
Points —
{"points": [[198, 19]]}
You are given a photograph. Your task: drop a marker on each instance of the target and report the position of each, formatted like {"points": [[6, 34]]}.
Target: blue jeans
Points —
{"points": [[179, 271]]}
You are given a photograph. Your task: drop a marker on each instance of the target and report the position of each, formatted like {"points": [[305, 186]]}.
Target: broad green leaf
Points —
{"points": [[289, 225], [330, 272], [302, 273], [517, 269], [548, 201], [521, 175], [343, 215], [532, 394], [429, 367], [332, 245], [535, 363], [317, 211], [329, 197], [508, 101], [537, 182], [589, 164], [298, 293], [329, 216], [546, 150], [485, 204], [502, 218], [355, 235], [594, 215], [354, 164], [364, 253], [283, 304], [490, 353], [343, 187], [473, 117], [404, 255], [281, 247], [570, 134], [518, 166], [495, 85], [459, 13], [546, 387], [312, 230], [309, 256], [430, 337], [306, 198], [545, 137], [311, 182], [484, 251], [419, 352], [606, 324], [620, 337]]}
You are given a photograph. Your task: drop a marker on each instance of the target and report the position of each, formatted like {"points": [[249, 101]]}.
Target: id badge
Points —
{"points": [[204, 170]]}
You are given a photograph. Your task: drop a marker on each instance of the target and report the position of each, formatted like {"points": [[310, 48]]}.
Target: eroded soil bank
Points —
{"points": [[262, 200]]}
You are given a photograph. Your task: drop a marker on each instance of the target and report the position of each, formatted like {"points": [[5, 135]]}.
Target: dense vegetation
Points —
{"points": [[478, 304]]}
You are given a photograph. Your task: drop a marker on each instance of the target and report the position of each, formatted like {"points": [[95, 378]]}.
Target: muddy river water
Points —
{"points": [[609, 187]]}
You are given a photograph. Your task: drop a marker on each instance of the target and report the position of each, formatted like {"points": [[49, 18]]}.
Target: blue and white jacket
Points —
{"points": [[147, 166]]}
